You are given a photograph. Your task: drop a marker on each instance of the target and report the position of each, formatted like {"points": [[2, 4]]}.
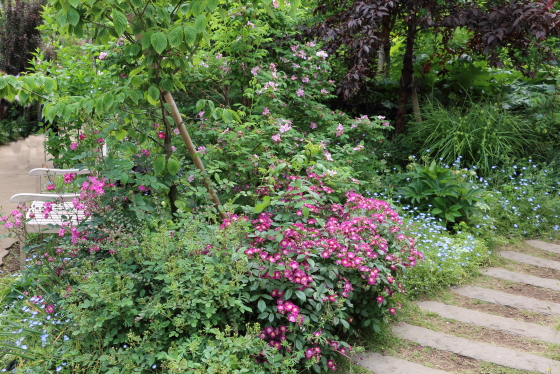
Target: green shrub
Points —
{"points": [[440, 191], [480, 136], [272, 295]]}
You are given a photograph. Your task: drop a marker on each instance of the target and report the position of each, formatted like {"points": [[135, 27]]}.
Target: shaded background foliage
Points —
{"points": [[19, 36]]}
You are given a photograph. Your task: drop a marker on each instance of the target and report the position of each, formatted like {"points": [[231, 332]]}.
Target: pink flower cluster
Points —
{"points": [[274, 336]]}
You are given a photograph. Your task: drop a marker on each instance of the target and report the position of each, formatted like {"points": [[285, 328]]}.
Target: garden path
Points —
{"points": [[546, 303], [16, 159]]}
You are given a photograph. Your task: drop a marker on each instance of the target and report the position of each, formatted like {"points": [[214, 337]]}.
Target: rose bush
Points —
{"points": [[281, 290]]}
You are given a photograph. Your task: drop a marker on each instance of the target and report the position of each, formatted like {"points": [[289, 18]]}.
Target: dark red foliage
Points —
{"points": [[514, 26], [354, 31], [19, 36]]}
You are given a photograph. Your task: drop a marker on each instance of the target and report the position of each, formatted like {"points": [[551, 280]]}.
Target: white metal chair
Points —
{"points": [[63, 211]]}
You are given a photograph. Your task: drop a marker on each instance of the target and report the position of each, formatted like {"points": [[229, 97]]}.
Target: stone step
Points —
{"points": [[512, 301], [549, 247], [531, 260], [477, 350], [390, 365], [16, 159], [508, 325], [551, 284]]}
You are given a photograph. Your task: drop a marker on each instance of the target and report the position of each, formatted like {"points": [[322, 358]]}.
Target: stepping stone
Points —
{"points": [[511, 326], [551, 284], [389, 365], [512, 301], [549, 247], [477, 350], [531, 260]]}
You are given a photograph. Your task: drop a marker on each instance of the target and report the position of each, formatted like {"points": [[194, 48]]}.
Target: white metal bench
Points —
{"points": [[63, 211]]}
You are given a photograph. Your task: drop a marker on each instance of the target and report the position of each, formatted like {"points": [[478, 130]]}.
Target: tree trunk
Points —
{"points": [[385, 48], [407, 73], [192, 151], [415, 105], [173, 193]]}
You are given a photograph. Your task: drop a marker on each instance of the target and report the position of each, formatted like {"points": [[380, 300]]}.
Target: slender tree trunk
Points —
{"points": [[415, 105], [381, 61], [407, 73], [192, 151], [173, 193], [384, 61]]}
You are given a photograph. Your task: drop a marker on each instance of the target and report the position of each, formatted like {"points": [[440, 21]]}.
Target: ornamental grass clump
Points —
{"points": [[321, 269]]}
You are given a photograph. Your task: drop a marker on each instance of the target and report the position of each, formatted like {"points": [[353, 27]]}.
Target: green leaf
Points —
{"points": [[120, 22], [173, 165], [167, 84], [288, 294], [261, 305], [260, 207], [120, 134], [190, 34], [175, 37], [73, 16], [159, 165], [200, 23], [61, 17], [124, 178], [200, 104], [181, 204], [132, 50], [147, 39], [136, 71], [74, 3], [305, 211], [437, 211], [108, 101], [269, 11], [153, 94], [223, 13], [300, 295], [212, 4], [196, 7], [159, 41]]}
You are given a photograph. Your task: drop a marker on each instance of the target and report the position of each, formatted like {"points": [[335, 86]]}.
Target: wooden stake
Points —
{"points": [[190, 146]]}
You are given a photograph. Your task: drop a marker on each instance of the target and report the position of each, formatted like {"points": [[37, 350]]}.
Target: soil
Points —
{"points": [[10, 263]]}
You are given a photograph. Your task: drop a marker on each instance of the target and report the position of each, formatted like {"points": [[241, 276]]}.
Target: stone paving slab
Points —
{"points": [[390, 365], [549, 247], [16, 159], [509, 300], [511, 326], [531, 260], [477, 350], [551, 284]]}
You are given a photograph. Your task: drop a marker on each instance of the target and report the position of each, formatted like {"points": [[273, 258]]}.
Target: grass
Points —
{"points": [[479, 134]]}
